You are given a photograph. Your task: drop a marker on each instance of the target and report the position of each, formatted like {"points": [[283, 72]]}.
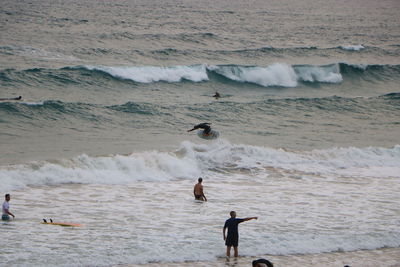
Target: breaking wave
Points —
{"points": [[276, 75], [191, 160]]}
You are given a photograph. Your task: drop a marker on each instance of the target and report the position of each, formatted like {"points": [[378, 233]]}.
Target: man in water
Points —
{"points": [[6, 209], [198, 191], [205, 126], [232, 240]]}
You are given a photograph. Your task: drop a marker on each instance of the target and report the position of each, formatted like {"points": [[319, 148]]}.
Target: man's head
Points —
{"points": [[262, 263], [233, 214], [200, 180], [7, 197]]}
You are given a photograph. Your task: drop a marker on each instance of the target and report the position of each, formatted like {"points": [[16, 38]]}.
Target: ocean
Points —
{"points": [[309, 124]]}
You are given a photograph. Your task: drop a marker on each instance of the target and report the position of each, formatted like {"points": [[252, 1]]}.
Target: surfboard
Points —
{"points": [[212, 135], [11, 98], [63, 224]]}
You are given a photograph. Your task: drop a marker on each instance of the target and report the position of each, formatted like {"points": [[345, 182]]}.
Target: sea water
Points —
{"points": [[308, 121]]}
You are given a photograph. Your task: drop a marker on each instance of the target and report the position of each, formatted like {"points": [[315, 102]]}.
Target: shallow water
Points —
{"points": [[137, 221]]}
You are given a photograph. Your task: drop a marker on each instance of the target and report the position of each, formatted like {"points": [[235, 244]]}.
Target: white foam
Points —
{"points": [[146, 166], [148, 74], [328, 73], [277, 74], [40, 103], [191, 160], [358, 66], [352, 47]]}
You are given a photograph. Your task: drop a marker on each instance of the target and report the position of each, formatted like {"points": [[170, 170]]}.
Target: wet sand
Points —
{"points": [[387, 257]]}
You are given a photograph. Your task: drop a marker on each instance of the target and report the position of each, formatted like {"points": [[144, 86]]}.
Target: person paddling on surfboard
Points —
{"points": [[11, 98], [205, 126]]}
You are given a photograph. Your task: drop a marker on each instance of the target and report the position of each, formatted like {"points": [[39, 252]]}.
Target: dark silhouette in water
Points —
{"points": [[11, 98], [217, 95], [262, 262], [204, 125]]}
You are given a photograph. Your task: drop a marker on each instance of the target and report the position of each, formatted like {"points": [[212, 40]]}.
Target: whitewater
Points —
{"points": [[343, 200]]}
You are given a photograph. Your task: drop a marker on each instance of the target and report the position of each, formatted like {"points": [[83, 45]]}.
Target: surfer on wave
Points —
{"points": [[205, 126], [207, 133]]}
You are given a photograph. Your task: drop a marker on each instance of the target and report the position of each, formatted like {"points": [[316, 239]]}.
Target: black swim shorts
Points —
{"points": [[232, 240]]}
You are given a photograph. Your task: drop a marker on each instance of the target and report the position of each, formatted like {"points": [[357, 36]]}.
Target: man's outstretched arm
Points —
{"points": [[250, 218]]}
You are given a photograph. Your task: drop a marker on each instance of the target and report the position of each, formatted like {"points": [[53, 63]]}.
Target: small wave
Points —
{"points": [[274, 75], [395, 96], [280, 74], [40, 103], [119, 169], [136, 108], [33, 52], [277, 74], [352, 47], [149, 74], [326, 74]]}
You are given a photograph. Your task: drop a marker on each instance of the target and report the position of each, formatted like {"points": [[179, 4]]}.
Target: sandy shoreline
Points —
{"points": [[387, 257]]}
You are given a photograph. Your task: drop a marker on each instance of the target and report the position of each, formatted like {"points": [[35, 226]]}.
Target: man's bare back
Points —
{"points": [[198, 191]]}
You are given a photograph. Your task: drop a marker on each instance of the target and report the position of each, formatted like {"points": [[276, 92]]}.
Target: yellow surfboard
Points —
{"points": [[64, 224]]}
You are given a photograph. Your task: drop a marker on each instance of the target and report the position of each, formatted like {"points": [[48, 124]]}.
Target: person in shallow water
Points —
{"points": [[232, 240], [198, 191], [205, 125], [6, 209]]}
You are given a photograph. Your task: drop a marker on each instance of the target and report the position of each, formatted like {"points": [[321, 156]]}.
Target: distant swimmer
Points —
{"points": [[6, 209], [207, 132], [198, 191], [217, 95], [11, 98]]}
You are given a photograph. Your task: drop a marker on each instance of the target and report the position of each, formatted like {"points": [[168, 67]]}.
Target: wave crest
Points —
{"points": [[149, 74], [192, 160]]}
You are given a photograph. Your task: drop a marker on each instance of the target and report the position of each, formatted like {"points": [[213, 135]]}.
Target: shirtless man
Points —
{"points": [[198, 191]]}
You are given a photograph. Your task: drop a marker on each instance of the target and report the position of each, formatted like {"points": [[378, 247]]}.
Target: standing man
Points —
{"points": [[6, 209], [232, 240], [198, 191]]}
